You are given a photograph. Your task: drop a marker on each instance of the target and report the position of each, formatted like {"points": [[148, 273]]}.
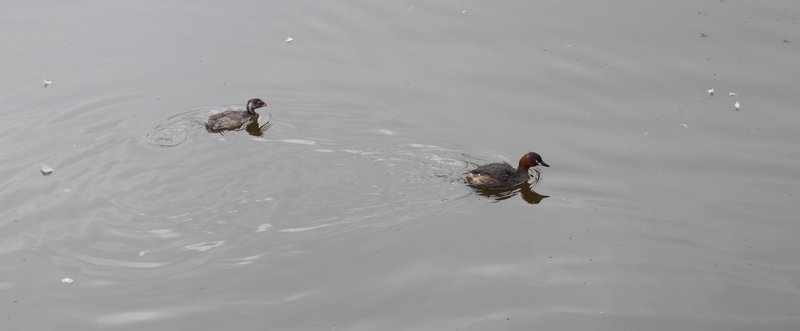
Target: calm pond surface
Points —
{"points": [[665, 207]]}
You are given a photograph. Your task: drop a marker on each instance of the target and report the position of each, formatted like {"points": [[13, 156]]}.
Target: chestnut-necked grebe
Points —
{"points": [[498, 176], [234, 119]]}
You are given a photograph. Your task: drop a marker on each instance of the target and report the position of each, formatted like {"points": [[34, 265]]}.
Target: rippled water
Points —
{"points": [[664, 207]]}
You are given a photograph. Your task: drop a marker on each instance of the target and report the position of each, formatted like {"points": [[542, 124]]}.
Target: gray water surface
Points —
{"points": [[665, 207]]}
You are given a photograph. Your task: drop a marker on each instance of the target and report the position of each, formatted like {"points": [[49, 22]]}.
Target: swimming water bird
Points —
{"points": [[234, 119], [499, 176]]}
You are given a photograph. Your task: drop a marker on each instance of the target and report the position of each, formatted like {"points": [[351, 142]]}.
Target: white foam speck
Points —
{"points": [[165, 233], [204, 246], [299, 141], [324, 150], [353, 151], [67, 280], [386, 132], [292, 230]]}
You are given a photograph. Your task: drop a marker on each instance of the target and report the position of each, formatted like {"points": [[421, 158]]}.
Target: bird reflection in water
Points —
{"points": [[257, 130], [525, 190]]}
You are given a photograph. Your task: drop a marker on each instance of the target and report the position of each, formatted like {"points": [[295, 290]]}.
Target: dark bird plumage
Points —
{"points": [[500, 176]]}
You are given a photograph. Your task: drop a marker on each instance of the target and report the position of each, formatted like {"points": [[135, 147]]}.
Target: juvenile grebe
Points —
{"points": [[498, 176], [234, 119]]}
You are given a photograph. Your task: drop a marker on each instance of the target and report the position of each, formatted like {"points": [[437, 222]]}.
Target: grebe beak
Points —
{"points": [[544, 164]]}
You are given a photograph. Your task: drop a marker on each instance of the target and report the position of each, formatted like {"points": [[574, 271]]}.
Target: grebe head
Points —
{"points": [[254, 104], [531, 160]]}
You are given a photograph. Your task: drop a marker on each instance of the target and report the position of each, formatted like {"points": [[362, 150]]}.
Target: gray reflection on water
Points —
{"points": [[523, 190]]}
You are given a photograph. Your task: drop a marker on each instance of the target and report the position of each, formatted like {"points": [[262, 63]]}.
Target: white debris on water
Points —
{"points": [[732, 94], [144, 252], [289, 40], [684, 125], [46, 82], [67, 280], [710, 91], [737, 105], [264, 227], [46, 170], [464, 11]]}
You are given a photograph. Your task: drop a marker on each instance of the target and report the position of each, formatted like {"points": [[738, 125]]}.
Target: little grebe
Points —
{"points": [[498, 176], [234, 119]]}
